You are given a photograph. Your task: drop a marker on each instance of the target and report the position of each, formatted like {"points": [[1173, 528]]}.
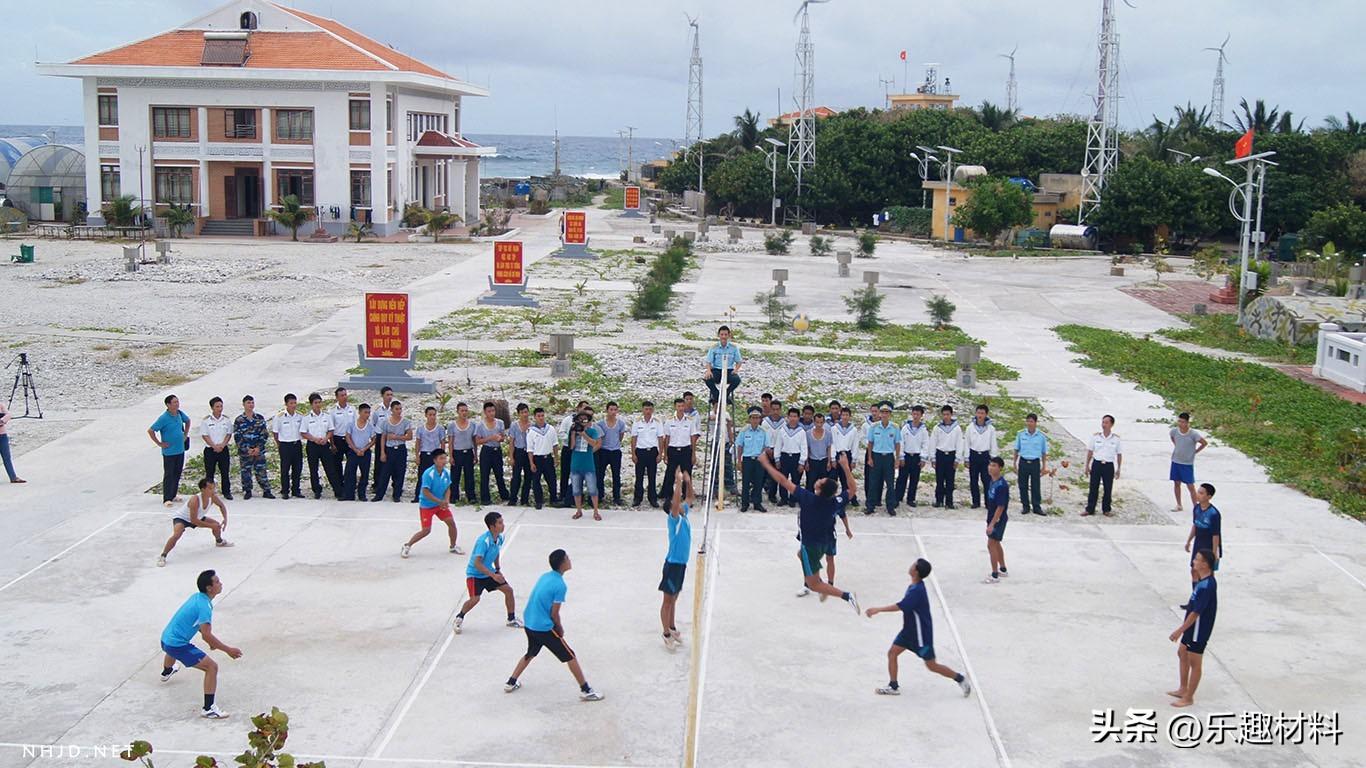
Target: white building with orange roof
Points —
{"points": [[233, 111]]}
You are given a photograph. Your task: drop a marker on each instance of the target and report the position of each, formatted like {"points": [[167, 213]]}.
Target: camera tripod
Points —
{"points": [[24, 376]]}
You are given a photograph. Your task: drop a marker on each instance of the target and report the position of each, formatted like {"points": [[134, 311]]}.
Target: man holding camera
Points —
{"points": [[584, 440]]}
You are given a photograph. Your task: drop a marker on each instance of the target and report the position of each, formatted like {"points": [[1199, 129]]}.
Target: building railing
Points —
{"points": [[1341, 357], [245, 131]]}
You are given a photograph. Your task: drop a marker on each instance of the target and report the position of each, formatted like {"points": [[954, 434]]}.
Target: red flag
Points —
{"points": [[1244, 146], [903, 55]]}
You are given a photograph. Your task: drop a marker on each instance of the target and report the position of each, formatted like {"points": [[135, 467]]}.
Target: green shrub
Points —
{"points": [[178, 218], [995, 206], [866, 305], [941, 310], [655, 288], [1210, 262], [910, 221], [1344, 225], [414, 215], [820, 246], [777, 242], [537, 207], [773, 306], [867, 243]]}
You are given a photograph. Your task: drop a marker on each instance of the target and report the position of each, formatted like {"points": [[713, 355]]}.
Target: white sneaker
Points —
{"points": [[853, 600], [168, 504], [223, 543], [590, 695], [456, 550], [887, 690], [161, 561], [966, 686], [459, 621], [407, 549], [513, 623], [670, 643], [510, 687], [991, 580], [678, 637], [1004, 573], [213, 713], [167, 676], [803, 592]]}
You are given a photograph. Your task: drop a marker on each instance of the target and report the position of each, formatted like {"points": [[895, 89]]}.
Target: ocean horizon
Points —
{"points": [[519, 156]]}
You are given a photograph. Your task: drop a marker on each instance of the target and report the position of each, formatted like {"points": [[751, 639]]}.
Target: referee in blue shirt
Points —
{"points": [[723, 355], [884, 458], [1031, 462], [750, 444]]}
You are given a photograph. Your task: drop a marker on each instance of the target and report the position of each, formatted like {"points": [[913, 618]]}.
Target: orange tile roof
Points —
{"points": [[268, 50], [402, 61]]}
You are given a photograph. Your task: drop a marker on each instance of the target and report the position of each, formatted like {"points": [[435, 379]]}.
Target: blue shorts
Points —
{"points": [[1194, 646], [998, 532], [911, 644], [671, 583], [1183, 473], [185, 654], [583, 483]]}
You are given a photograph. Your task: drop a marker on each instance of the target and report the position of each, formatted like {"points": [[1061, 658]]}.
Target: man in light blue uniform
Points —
{"points": [[750, 443], [884, 458], [195, 616], [723, 355], [543, 627], [1031, 462], [676, 561], [484, 572]]}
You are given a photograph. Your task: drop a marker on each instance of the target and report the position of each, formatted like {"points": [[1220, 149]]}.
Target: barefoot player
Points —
{"points": [[917, 632], [192, 516], [484, 573], [676, 561], [195, 615], [1195, 631], [544, 630]]}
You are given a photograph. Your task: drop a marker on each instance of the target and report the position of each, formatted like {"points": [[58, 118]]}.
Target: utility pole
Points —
{"points": [[886, 83], [630, 152], [1102, 131], [801, 142], [142, 206], [692, 133]]}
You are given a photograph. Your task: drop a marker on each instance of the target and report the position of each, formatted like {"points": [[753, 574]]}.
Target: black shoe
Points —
{"points": [[744, 507], [654, 504], [760, 508], [976, 506], [267, 495], [617, 502], [228, 495], [912, 503], [317, 496], [868, 511], [853, 500], [246, 495], [377, 499], [891, 512], [538, 506], [1039, 512], [948, 506]]}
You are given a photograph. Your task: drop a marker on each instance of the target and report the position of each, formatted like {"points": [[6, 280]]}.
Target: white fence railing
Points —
{"points": [[1341, 357]]}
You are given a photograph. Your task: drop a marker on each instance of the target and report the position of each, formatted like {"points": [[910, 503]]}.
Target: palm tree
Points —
{"points": [[291, 214], [1256, 119], [994, 118], [1287, 124], [437, 221], [747, 129], [1190, 121], [1351, 125], [359, 230], [122, 211], [178, 218], [1155, 140]]}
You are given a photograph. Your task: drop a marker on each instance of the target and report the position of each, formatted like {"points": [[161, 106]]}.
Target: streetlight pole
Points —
{"points": [[775, 145], [1257, 233], [949, 152], [630, 154], [924, 168], [142, 207], [1255, 165]]}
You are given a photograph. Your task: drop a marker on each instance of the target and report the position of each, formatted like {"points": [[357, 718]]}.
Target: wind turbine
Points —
{"points": [[1216, 100], [1012, 100]]}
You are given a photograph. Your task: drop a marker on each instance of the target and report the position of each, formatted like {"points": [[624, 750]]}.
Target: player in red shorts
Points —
{"points": [[483, 574], [434, 501]]}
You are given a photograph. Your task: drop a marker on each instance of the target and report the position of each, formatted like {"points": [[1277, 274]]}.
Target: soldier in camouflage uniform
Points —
{"points": [[250, 431]]}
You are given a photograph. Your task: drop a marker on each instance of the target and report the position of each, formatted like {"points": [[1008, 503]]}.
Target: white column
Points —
{"points": [[91, 102], [379, 181], [267, 178], [471, 195], [456, 197], [203, 200]]}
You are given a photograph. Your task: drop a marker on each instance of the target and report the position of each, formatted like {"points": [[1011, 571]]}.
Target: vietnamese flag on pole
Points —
{"points": [[903, 55], [1243, 147]]}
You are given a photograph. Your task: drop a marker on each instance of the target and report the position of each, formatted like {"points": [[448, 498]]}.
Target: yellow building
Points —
{"points": [[1046, 205], [921, 100]]}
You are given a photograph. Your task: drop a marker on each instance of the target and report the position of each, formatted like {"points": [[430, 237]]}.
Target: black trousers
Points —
{"points": [[462, 467], [752, 476], [424, 460], [521, 476], [392, 471], [291, 467], [881, 482], [322, 454], [171, 469], [357, 475], [566, 454], [646, 470], [491, 460], [839, 473], [944, 472], [908, 482], [1102, 472], [608, 458], [217, 461], [542, 479], [977, 475], [816, 471], [1030, 492], [676, 458], [732, 381], [790, 464]]}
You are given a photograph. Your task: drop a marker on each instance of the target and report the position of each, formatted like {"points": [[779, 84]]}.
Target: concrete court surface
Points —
{"points": [[355, 644]]}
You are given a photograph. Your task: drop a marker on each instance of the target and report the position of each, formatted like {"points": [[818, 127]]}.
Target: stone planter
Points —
{"points": [[1116, 271]]}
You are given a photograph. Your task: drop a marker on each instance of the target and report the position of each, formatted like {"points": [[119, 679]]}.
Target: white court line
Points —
{"points": [[417, 690], [706, 641], [1050, 539], [1359, 582], [400, 760], [1001, 755], [57, 556]]}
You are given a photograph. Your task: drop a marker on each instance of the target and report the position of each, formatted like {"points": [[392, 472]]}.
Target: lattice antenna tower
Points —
{"points": [[801, 141], [1102, 131], [1012, 96], [692, 132], [931, 84], [1216, 99]]}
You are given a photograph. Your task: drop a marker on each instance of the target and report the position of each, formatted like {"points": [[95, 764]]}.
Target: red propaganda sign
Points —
{"points": [[507, 262], [386, 326], [632, 198], [575, 228]]}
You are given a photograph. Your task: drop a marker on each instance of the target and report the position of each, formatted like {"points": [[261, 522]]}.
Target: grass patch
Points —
{"points": [[165, 350], [1303, 436], [435, 359], [100, 329], [101, 347], [1222, 332], [162, 378], [615, 199], [598, 314], [125, 354], [889, 337]]}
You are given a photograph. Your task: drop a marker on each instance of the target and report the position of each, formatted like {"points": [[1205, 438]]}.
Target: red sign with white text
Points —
{"points": [[386, 326], [633, 198], [507, 262], [575, 228]]}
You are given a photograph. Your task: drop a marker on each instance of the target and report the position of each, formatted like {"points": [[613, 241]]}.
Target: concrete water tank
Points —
{"points": [[1074, 236]]}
